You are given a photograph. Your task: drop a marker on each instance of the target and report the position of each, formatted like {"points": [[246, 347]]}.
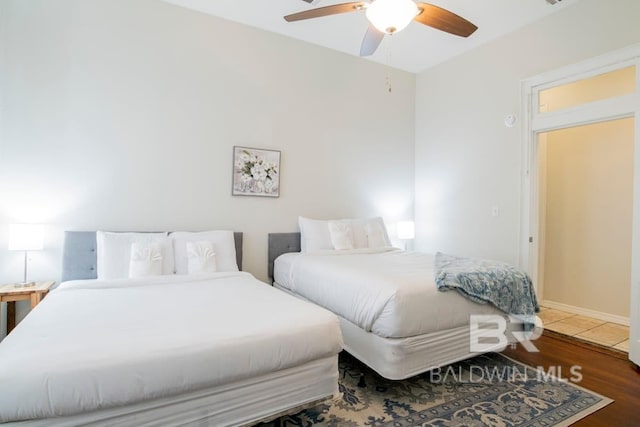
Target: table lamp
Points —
{"points": [[26, 237], [406, 231]]}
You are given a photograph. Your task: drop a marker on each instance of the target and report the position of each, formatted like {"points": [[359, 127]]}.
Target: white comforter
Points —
{"points": [[391, 293], [98, 344]]}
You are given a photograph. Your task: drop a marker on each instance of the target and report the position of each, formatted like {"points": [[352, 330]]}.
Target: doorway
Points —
{"points": [[571, 241], [585, 219]]}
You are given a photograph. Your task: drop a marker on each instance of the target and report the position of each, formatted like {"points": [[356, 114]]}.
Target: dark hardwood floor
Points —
{"points": [[603, 371]]}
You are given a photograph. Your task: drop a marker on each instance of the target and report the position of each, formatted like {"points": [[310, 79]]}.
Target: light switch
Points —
{"points": [[495, 211]]}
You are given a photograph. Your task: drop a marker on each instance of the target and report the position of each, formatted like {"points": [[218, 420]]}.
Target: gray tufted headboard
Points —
{"points": [[79, 257], [281, 243]]}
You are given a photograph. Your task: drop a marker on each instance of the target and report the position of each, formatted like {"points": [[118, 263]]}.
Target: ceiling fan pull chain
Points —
{"points": [[387, 62]]}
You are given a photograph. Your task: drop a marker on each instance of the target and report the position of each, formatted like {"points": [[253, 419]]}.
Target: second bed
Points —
{"points": [[392, 316]]}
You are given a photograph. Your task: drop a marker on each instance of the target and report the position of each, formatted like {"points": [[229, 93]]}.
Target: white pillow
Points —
{"points": [[359, 234], [146, 259], [201, 257], [223, 246], [376, 235], [114, 252], [341, 235], [314, 235]]}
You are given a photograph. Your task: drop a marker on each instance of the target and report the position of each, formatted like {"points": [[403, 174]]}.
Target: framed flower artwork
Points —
{"points": [[256, 172]]}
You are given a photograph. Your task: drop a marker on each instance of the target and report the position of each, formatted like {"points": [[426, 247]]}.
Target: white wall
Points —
{"points": [[122, 115], [467, 161]]}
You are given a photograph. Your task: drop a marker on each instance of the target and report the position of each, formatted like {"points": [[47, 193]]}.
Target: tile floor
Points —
{"points": [[586, 328]]}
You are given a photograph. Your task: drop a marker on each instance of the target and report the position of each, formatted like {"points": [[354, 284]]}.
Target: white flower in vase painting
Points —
{"points": [[256, 172]]}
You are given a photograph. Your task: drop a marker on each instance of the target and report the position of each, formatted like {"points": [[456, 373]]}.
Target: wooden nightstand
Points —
{"points": [[10, 294]]}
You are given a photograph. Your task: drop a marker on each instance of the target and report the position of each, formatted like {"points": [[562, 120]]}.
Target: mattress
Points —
{"points": [[94, 345], [400, 358], [390, 293]]}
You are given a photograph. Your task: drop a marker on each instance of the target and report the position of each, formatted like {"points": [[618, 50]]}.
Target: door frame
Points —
{"points": [[535, 123]]}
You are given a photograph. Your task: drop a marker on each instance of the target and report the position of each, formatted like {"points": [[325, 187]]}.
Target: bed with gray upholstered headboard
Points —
{"points": [[79, 255], [171, 349], [428, 328]]}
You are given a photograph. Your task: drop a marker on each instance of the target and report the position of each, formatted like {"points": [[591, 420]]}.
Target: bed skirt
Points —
{"points": [[400, 358], [237, 404]]}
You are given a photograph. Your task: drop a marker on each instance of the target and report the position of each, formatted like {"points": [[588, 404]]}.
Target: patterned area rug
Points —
{"points": [[488, 390]]}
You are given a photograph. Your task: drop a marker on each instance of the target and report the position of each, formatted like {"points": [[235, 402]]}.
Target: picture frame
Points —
{"points": [[256, 172]]}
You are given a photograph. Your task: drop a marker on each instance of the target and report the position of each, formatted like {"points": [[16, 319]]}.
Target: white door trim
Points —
{"points": [[535, 122]]}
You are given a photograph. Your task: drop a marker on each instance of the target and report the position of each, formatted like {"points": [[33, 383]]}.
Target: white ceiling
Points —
{"points": [[414, 49]]}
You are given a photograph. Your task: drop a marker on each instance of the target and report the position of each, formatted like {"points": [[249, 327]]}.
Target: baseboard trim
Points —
{"points": [[621, 320]]}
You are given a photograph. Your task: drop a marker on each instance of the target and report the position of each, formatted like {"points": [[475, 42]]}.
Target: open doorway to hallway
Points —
{"points": [[569, 231], [585, 219]]}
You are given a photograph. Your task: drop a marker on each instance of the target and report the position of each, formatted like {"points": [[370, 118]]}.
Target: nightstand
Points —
{"points": [[10, 294]]}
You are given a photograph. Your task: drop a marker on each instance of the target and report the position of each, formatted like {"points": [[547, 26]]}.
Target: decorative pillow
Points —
{"points": [[146, 259], [223, 243], [376, 234], [359, 234], [201, 257], [314, 235], [361, 229], [114, 252], [341, 235]]}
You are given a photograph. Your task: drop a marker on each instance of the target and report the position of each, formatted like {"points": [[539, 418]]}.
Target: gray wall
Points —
{"points": [[467, 161], [122, 115]]}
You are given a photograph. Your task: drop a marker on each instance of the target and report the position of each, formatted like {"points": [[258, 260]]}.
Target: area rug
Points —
{"points": [[488, 390]]}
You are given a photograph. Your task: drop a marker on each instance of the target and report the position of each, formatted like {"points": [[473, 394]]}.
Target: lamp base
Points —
{"points": [[24, 284]]}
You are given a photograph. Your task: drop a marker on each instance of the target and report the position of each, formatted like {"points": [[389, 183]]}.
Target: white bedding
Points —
{"points": [[390, 293], [94, 344]]}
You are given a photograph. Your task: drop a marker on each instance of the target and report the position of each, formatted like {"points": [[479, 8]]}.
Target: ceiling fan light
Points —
{"points": [[391, 16]]}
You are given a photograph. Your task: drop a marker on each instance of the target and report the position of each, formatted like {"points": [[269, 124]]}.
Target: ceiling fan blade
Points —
{"points": [[371, 41], [442, 19], [327, 10]]}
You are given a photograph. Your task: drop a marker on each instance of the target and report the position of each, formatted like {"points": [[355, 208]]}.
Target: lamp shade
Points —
{"points": [[406, 230], [26, 237], [391, 16]]}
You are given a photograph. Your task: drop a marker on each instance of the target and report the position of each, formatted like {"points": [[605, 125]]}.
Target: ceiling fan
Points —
{"points": [[391, 16]]}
